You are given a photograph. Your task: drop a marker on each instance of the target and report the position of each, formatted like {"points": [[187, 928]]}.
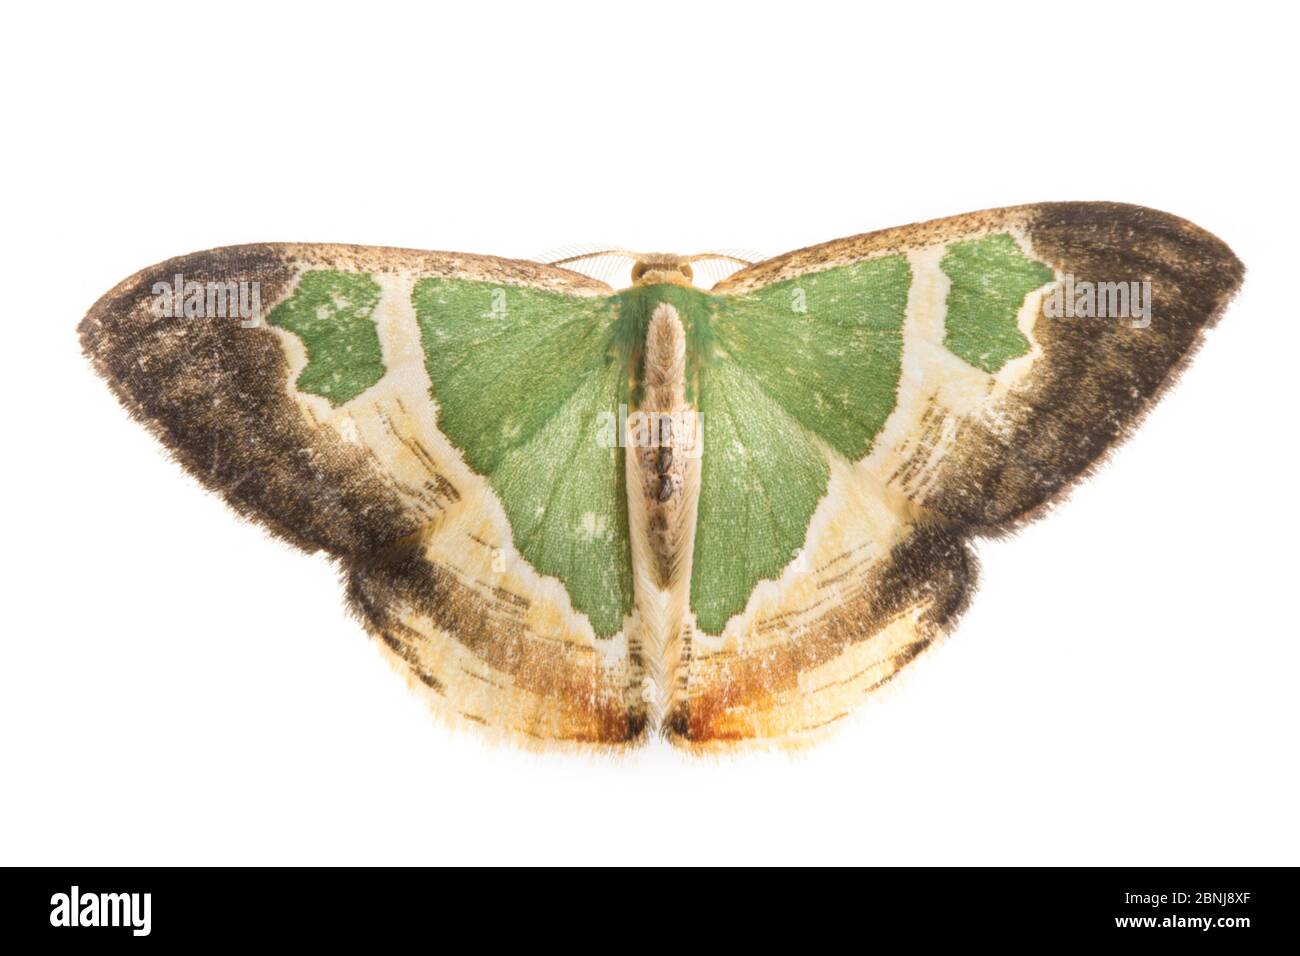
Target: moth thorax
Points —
{"points": [[665, 360]]}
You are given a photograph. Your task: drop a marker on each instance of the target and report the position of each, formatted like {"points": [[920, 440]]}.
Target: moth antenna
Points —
{"points": [[597, 260], [591, 255], [721, 263], [703, 256]]}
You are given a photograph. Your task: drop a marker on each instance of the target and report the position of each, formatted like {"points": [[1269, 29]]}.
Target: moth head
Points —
{"points": [[662, 268], [651, 268]]}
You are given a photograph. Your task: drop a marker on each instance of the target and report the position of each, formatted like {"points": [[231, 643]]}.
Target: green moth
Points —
{"points": [[573, 514]]}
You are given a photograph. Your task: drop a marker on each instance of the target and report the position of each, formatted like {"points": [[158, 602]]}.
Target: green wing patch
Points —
{"points": [[818, 357], [521, 377], [990, 278], [761, 478], [827, 347], [331, 313]]}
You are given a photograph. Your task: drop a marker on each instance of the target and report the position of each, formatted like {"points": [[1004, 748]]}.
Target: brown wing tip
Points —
{"points": [[1203, 250]]}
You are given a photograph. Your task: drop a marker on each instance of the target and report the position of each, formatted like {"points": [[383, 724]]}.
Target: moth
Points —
{"points": [[574, 515]]}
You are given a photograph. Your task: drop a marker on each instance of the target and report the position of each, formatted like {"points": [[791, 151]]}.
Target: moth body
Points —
{"points": [[664, 441]]}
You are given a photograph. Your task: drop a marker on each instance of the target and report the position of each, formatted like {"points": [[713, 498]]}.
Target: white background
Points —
{"points": [[175, 687]]}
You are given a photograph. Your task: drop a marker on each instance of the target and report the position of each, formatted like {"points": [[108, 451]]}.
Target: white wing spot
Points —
{"points": [[348, 430], [593, 526]]}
